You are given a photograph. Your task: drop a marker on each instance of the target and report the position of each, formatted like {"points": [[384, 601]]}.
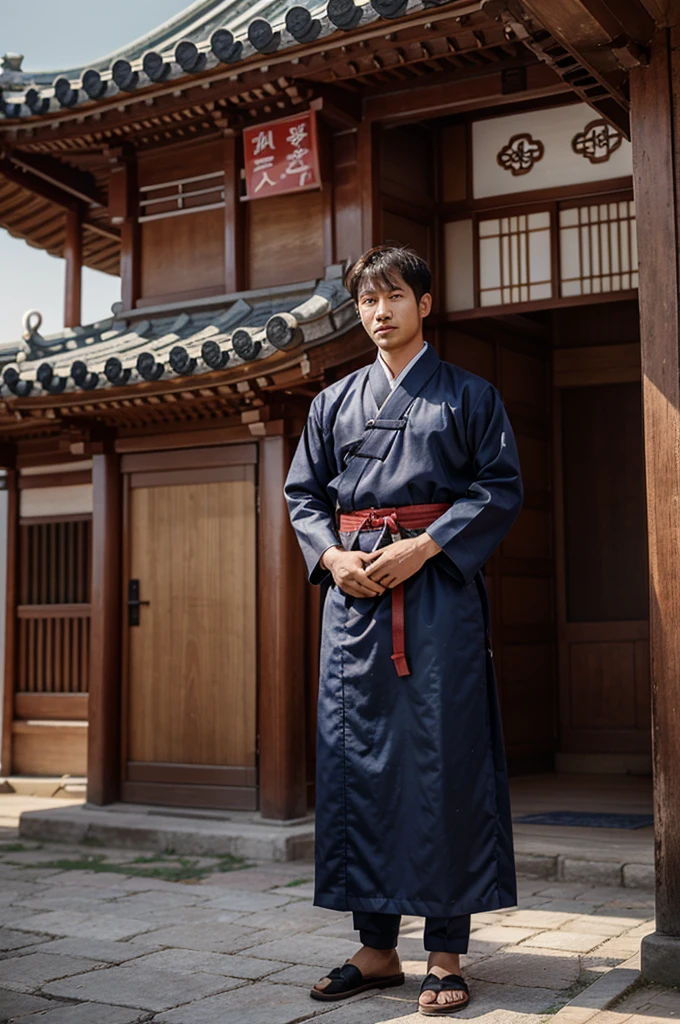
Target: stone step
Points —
{"points": [[187, 832], [198, 832]]}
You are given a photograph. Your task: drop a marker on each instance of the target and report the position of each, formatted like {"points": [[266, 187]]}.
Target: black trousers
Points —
{"points": [[441, 935]]}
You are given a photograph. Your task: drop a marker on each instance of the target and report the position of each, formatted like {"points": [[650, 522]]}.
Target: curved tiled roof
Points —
{"points": [[207, 34], [214, 334]]}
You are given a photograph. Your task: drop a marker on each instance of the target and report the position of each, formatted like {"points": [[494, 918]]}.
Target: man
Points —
{"points": [[405, 481]]}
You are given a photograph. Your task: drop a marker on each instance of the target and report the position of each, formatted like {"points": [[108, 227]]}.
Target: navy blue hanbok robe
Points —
{"points": [[412, 806]]}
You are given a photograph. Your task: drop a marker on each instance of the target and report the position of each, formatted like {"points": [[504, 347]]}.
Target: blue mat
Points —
{"points": [[588, 819]]}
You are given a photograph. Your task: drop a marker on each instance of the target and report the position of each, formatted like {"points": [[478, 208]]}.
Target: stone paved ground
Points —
{"points": [[96, 936], [648, 1004]]}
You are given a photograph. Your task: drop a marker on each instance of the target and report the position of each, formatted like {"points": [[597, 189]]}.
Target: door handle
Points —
{"points": [[134, 602]]}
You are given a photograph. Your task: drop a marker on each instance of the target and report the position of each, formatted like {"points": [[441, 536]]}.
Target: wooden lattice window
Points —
{"points": [[514, 259], [598, 248], [54, 606]]}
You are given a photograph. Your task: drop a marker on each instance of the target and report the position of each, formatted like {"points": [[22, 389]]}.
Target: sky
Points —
{"points": [[52, 37]]}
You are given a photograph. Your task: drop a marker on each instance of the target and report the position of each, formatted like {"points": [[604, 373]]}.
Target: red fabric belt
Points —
{"points": [[408, 517]]}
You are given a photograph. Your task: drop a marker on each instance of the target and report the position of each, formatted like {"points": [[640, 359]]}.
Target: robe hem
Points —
{"points": [[417, 908]]}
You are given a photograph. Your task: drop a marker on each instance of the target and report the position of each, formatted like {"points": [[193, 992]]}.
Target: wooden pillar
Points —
{"points": [[281, 605], [123, 210], [369, 183], [11, 601], [103, 773], [234, 214], [73, 251], [655, 123]]}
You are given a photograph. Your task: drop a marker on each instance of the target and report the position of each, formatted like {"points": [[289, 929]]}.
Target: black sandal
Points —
{"points": [[348, 980], [433, 983]]}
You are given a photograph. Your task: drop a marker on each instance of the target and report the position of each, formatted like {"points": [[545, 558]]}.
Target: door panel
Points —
{"points": [[604, 635], [191, 700]]}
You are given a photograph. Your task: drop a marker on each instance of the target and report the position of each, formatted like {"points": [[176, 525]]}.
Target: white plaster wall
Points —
{"points": [[559, 166]]}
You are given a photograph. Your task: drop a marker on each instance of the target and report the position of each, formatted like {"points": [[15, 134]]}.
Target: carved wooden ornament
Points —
{"points": [[597, 141], [520, 154]]}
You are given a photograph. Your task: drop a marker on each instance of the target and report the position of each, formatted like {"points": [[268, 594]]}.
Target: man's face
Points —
{"points": [[392, 317]]}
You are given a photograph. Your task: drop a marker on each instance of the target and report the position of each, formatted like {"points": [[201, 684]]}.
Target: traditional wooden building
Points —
{"points": [[160, 633]]}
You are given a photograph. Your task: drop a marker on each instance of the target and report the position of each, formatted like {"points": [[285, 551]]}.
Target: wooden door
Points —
{"points": [[604, 606], [190, 708]]}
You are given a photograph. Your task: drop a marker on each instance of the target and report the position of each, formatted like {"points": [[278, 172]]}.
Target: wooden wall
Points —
{"points": [[181, 256], [603, 595], [407, 188], [285, 239], [520, 575]]}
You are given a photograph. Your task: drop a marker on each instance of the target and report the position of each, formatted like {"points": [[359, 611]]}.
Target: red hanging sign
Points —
{"points": [[281, 156]]}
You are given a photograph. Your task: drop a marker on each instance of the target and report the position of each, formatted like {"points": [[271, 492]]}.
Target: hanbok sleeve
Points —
{"points": [[311, 512], [470, 531]]}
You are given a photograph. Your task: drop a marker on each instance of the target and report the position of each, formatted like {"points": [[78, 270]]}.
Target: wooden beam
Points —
{"points": [[103, 773], [11, 601], [430, 100], [37, 186], [123, 210], [369, 183], [76, 183], [655, 120], [281, 684], [73, 253], [234, 214]]}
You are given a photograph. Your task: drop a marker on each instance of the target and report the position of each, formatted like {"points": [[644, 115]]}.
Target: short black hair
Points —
{"points": [[379, 264]]}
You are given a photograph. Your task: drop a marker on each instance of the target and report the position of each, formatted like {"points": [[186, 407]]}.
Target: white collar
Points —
{"points": [[393, 381]]}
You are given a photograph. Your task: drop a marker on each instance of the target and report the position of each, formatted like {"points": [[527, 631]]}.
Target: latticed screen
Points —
{"points": [[514, 259], [598, 248], [54, 610]]}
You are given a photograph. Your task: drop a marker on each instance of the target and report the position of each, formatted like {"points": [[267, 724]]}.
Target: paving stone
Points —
{"points": [[598, 925], [13, 917], [85, 1013], [249, 902], [84, 926], [566, 906], [158, 916], [299, 974], [299, 917], [305, 891], [28, 973], [99, 949], [503, 934], [620, 948], [262, 1002], [251, 879], [646, 928], [299, 949], [10, 939], [579, 942], [508, 968], [141, 988], [538, 918], [17, 1004], [188, 961], [216, 938]]}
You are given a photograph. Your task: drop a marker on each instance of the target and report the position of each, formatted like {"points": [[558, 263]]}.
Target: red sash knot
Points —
{"points": [[407, 517]]}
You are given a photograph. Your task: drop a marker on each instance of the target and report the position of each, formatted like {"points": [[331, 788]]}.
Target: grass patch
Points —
{"points": [[14, 848], [297, 881], [569, 994], [184, 869], [230, 862]]}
